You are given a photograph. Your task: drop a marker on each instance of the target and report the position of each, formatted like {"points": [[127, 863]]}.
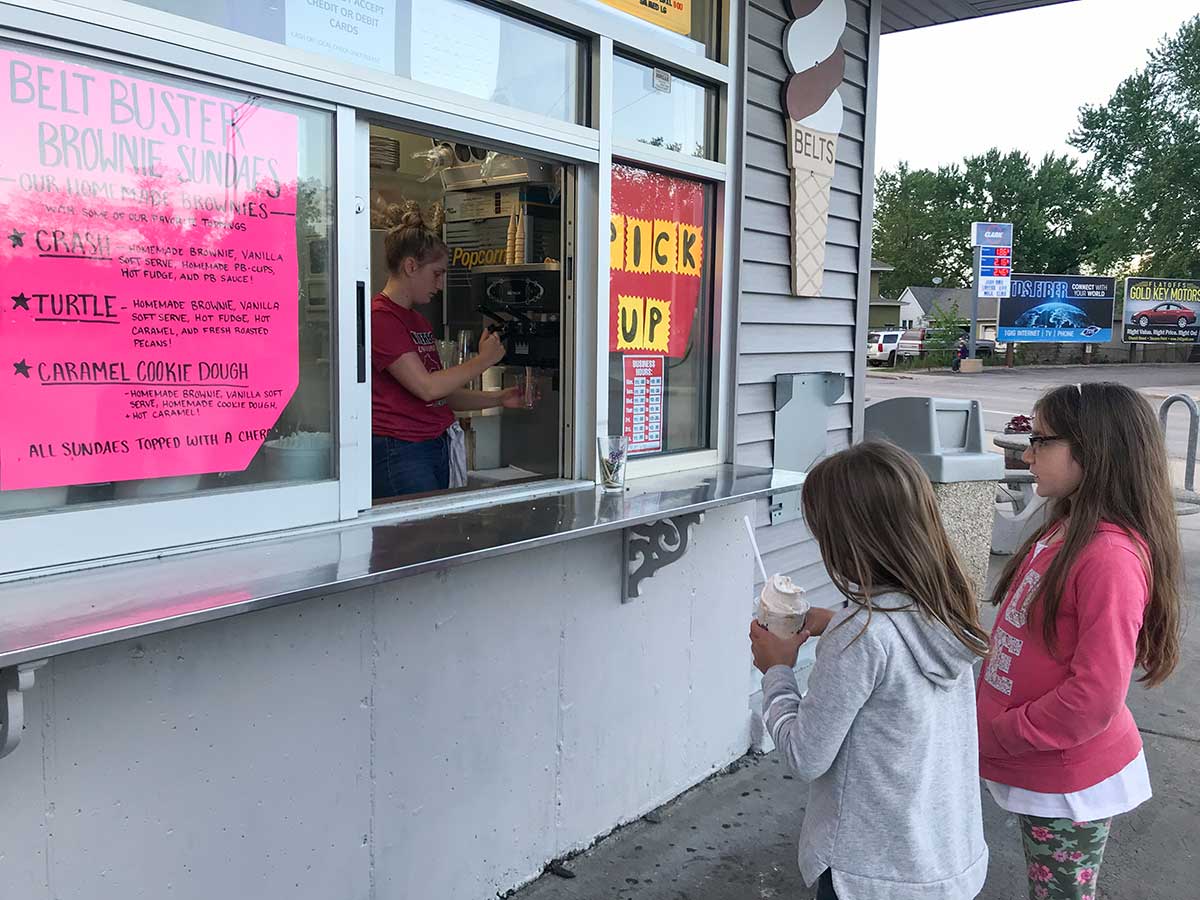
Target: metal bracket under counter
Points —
{"points": [[649, 548], [14, 682]]}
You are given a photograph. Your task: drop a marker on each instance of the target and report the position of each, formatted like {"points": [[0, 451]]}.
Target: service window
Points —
{"points": [[502, 237], [165, 324], [660, 310]]}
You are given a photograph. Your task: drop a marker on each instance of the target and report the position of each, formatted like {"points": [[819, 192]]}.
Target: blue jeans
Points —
{"points": [[408, 467]]}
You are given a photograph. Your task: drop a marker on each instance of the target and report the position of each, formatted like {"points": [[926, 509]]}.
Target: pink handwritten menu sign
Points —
{"points": [[148, 276]]}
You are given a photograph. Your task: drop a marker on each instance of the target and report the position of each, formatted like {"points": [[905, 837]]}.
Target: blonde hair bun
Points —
{"points": [[411, 237], [412, 217]]}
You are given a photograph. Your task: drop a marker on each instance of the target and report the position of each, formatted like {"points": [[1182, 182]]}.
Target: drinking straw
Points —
{"points": [[754, 547]]}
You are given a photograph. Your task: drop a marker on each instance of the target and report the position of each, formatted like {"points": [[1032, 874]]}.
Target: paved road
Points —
{"points": [[1005, 393]]}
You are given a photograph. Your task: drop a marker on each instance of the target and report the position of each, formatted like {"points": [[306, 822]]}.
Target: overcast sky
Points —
{"points": [[1014, 81]]}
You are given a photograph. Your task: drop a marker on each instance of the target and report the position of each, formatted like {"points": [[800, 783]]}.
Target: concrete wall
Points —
{"points": [[436, 737]]}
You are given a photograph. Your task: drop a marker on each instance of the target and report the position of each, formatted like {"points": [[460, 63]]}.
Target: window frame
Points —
{"points": [[646, 37], [120, 32], [627, 39], [356, 246], [717, 172], [712, 129], [119, 531], [131, 22], [102, 531], [664, 461]]}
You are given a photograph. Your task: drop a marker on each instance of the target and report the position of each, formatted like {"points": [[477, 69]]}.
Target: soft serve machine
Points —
{"points": [[504, 229]]}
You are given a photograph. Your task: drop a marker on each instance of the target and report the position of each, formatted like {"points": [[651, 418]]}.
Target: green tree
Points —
{"points": [[942, 335], [1145, 148], [917, 221], [923, 218], [1052, 207]]}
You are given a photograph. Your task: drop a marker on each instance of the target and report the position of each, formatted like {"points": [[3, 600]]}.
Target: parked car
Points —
{"points": [[1165, 314], [984, 347], [881, 347], [911, 343], [914, 342]]}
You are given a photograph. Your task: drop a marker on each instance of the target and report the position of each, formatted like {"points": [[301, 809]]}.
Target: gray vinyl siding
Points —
{"points": [[778, 332]]}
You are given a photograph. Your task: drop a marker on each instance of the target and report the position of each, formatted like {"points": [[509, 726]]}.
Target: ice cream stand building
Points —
{"points": [[226, 669]]}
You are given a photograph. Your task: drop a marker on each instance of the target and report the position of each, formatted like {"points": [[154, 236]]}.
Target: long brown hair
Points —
{"points": [[1117, 441], [873, 513]]}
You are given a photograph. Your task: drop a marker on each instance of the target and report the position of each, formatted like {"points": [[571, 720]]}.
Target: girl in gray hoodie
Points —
{"points": [[886, 731]]}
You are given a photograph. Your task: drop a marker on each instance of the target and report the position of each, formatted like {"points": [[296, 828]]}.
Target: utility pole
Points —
{"points": [[975, 287]]}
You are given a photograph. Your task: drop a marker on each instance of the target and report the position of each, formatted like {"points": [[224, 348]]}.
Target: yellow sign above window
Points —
{"points": [[675, 15]]}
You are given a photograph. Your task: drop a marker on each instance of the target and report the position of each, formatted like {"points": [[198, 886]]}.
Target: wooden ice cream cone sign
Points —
{"points": [[813, 108]]}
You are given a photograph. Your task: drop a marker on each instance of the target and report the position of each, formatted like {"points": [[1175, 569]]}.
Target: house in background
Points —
{"points": [[917, 307], [884, 313]]}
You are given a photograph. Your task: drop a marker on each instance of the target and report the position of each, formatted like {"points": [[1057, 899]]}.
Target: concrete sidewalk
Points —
{"points": [[734, 837]]}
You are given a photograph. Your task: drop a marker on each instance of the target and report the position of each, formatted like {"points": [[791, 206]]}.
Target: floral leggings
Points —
{"points": [[1064, 857]]}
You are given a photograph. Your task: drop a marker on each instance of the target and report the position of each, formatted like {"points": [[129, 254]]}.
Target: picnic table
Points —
{"points": [[1014, 442]]}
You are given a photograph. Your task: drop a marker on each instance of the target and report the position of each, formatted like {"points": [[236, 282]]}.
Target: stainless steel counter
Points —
{"points": [[58, 614]]}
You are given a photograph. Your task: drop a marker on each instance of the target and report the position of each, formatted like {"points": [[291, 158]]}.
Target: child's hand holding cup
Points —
{"points": [[778, 629]]}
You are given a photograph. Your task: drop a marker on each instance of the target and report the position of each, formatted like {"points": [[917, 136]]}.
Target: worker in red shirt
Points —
{"points": [[413, 399]]}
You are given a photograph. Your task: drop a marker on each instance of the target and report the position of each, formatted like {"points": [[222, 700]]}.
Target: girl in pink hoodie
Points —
{"points": [[1089, 598]]}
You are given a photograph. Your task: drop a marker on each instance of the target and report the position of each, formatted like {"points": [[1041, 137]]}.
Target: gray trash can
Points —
{"points": [[946, 437]]}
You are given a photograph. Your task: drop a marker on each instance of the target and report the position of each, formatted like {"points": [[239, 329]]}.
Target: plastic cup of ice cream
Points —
{"points": [[782, 608]]}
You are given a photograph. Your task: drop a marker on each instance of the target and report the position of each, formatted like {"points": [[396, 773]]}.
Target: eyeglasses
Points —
{"points": [[1038, 440]]}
